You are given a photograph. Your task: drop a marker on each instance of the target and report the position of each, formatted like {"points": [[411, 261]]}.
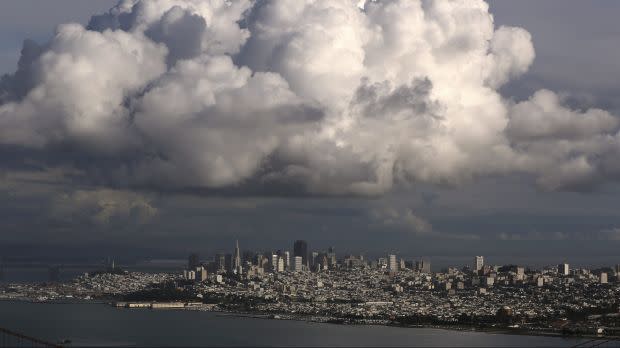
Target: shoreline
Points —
{"points": [[317, 319], [329, 320], [499, 331]]}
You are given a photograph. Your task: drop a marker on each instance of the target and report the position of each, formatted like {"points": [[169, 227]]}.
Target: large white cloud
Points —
{"points": [[83, 78], [321, 96], [567, 148]]}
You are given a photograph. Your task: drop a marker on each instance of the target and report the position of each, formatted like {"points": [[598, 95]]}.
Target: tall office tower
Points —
{"points": [[424, 266], [280, 267], [617, 269], [237, 261], [228, 260], [478, 263], [603, 278], [392, 265], [322, 260], [189, 275], [563, 269], [193, 261], [264, 263], [220, 262], [273, 262], [300, 248], [520, 273], [331, 257], [298, 263], [287, 260], [201, 274], [314, 257]]}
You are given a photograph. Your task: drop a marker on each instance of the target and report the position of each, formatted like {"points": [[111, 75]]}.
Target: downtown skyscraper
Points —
{"points": [[237, 259], [300, 248]]}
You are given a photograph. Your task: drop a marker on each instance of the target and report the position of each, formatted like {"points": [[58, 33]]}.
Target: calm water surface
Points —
{"points": [[36, 273], [102, 325]]}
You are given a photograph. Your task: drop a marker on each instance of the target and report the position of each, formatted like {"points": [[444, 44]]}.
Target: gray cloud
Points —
{"points": [[103, 207], [405, 219], [301, 97], [15, 87]]}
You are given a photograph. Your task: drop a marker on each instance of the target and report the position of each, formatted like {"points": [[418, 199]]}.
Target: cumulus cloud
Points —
{"points": [[567, 148], [543, 117], [390, 216], [409, 221], [103, 207], [333, 97]]}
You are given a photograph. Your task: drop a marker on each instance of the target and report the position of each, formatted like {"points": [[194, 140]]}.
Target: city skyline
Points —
{"points": [[443, 255], [328, 258], [560, 300]]}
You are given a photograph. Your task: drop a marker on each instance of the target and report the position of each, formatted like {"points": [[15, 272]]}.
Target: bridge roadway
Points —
{"points": [[9, 338], [599, 343]]}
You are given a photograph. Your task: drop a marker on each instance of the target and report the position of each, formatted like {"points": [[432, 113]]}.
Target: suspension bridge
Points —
{"points": [[9, 338], [598, 343]]}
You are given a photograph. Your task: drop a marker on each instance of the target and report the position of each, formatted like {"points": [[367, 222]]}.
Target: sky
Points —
{"points": [[424, 129]]}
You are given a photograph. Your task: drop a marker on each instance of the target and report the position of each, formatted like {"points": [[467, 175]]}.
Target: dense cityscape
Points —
{"points": [[319, 286]]}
